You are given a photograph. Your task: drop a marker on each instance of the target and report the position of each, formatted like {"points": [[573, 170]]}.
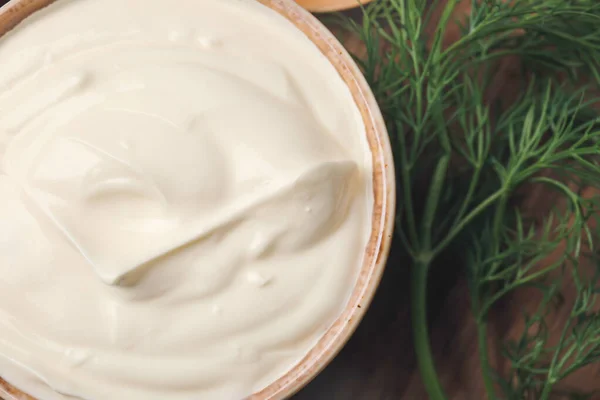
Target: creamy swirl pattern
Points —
{"points": [[184, 199]]}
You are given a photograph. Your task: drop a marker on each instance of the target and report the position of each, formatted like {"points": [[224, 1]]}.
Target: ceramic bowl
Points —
{"points": [[384, 196]]}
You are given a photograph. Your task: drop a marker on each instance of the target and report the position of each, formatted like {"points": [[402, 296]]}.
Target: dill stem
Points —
{"points": [[484, 359], [482, 337], [421, 332], [550, 380], [468, 219], [407, 193], [546, 392], [469, 196]]}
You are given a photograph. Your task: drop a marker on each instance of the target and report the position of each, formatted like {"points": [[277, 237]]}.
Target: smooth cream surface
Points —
{"points": [[184, 199]]}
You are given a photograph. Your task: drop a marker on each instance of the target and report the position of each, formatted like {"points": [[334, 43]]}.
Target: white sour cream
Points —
{"points": [[184, 199]]}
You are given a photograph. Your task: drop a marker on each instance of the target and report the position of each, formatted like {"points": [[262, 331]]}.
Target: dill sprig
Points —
{"points": [[464, 158]]}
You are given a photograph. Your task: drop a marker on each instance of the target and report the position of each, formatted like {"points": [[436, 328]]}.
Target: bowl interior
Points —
{"points": [[383, 185]]}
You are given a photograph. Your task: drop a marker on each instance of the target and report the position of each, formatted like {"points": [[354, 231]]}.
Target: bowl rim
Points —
{"points": [[345, 5], [384, 194]]}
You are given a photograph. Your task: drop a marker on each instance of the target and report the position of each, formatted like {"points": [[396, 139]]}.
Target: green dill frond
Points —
{"points": [[465, 155]]}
